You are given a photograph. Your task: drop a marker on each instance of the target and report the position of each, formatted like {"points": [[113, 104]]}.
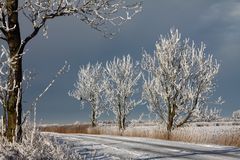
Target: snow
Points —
{"points": [[117, 147]]}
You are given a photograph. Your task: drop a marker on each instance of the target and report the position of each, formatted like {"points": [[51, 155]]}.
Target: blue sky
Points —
{"points": [[215, 22]]}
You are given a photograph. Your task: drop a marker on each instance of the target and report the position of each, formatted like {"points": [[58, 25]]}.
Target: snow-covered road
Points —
{"points": [[116, 147]]}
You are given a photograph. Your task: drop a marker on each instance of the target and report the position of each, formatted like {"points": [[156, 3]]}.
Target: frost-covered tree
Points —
{"points": [[5, 62], [236, 114], [180, 79], [89, 89], [209, 114], [95, 13], [120, 87]]}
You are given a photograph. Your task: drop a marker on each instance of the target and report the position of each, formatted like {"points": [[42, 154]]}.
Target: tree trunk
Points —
{"points": [[119, 115], [171, 115], [14, 102], [123, 122], [169, 130], [170, 123], [94, 119], [119, 122], [4, 123]]}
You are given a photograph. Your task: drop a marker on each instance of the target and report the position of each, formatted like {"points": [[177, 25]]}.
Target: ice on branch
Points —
{"points": [[208, 114], [122, 77], [180, 79], [65, 68], [5, 64], [97, 14], [89, 90]]}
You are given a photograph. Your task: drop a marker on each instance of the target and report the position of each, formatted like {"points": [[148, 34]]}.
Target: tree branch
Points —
{"points": [[4, 23], [32, 35], [3, 38]]}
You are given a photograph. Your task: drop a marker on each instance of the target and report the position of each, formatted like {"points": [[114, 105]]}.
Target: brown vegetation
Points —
{"points": [[71, 128], [221, 135]]}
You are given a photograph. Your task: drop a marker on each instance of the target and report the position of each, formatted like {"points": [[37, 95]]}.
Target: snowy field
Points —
{"points": [[105, 147]]}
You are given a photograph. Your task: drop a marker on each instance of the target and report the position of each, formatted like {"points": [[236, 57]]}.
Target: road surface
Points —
{"points": [[103, 147]]}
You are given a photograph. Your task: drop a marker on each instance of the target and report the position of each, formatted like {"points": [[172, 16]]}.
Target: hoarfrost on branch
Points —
{"points": [[98, 14], [122, 77], [89, 89], [180, 79]]}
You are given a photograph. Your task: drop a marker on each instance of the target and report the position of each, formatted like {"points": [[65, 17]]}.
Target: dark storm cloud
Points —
{"points": [[216, 22]]}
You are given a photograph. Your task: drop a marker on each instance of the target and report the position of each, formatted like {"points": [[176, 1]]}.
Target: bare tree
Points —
{"points": [[121, 81], [180, 79], [97, 14], [89, 89]]}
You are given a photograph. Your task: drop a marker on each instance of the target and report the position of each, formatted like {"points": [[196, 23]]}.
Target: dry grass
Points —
{"points": [[138, 131], [72, 128], [221, 135]]}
